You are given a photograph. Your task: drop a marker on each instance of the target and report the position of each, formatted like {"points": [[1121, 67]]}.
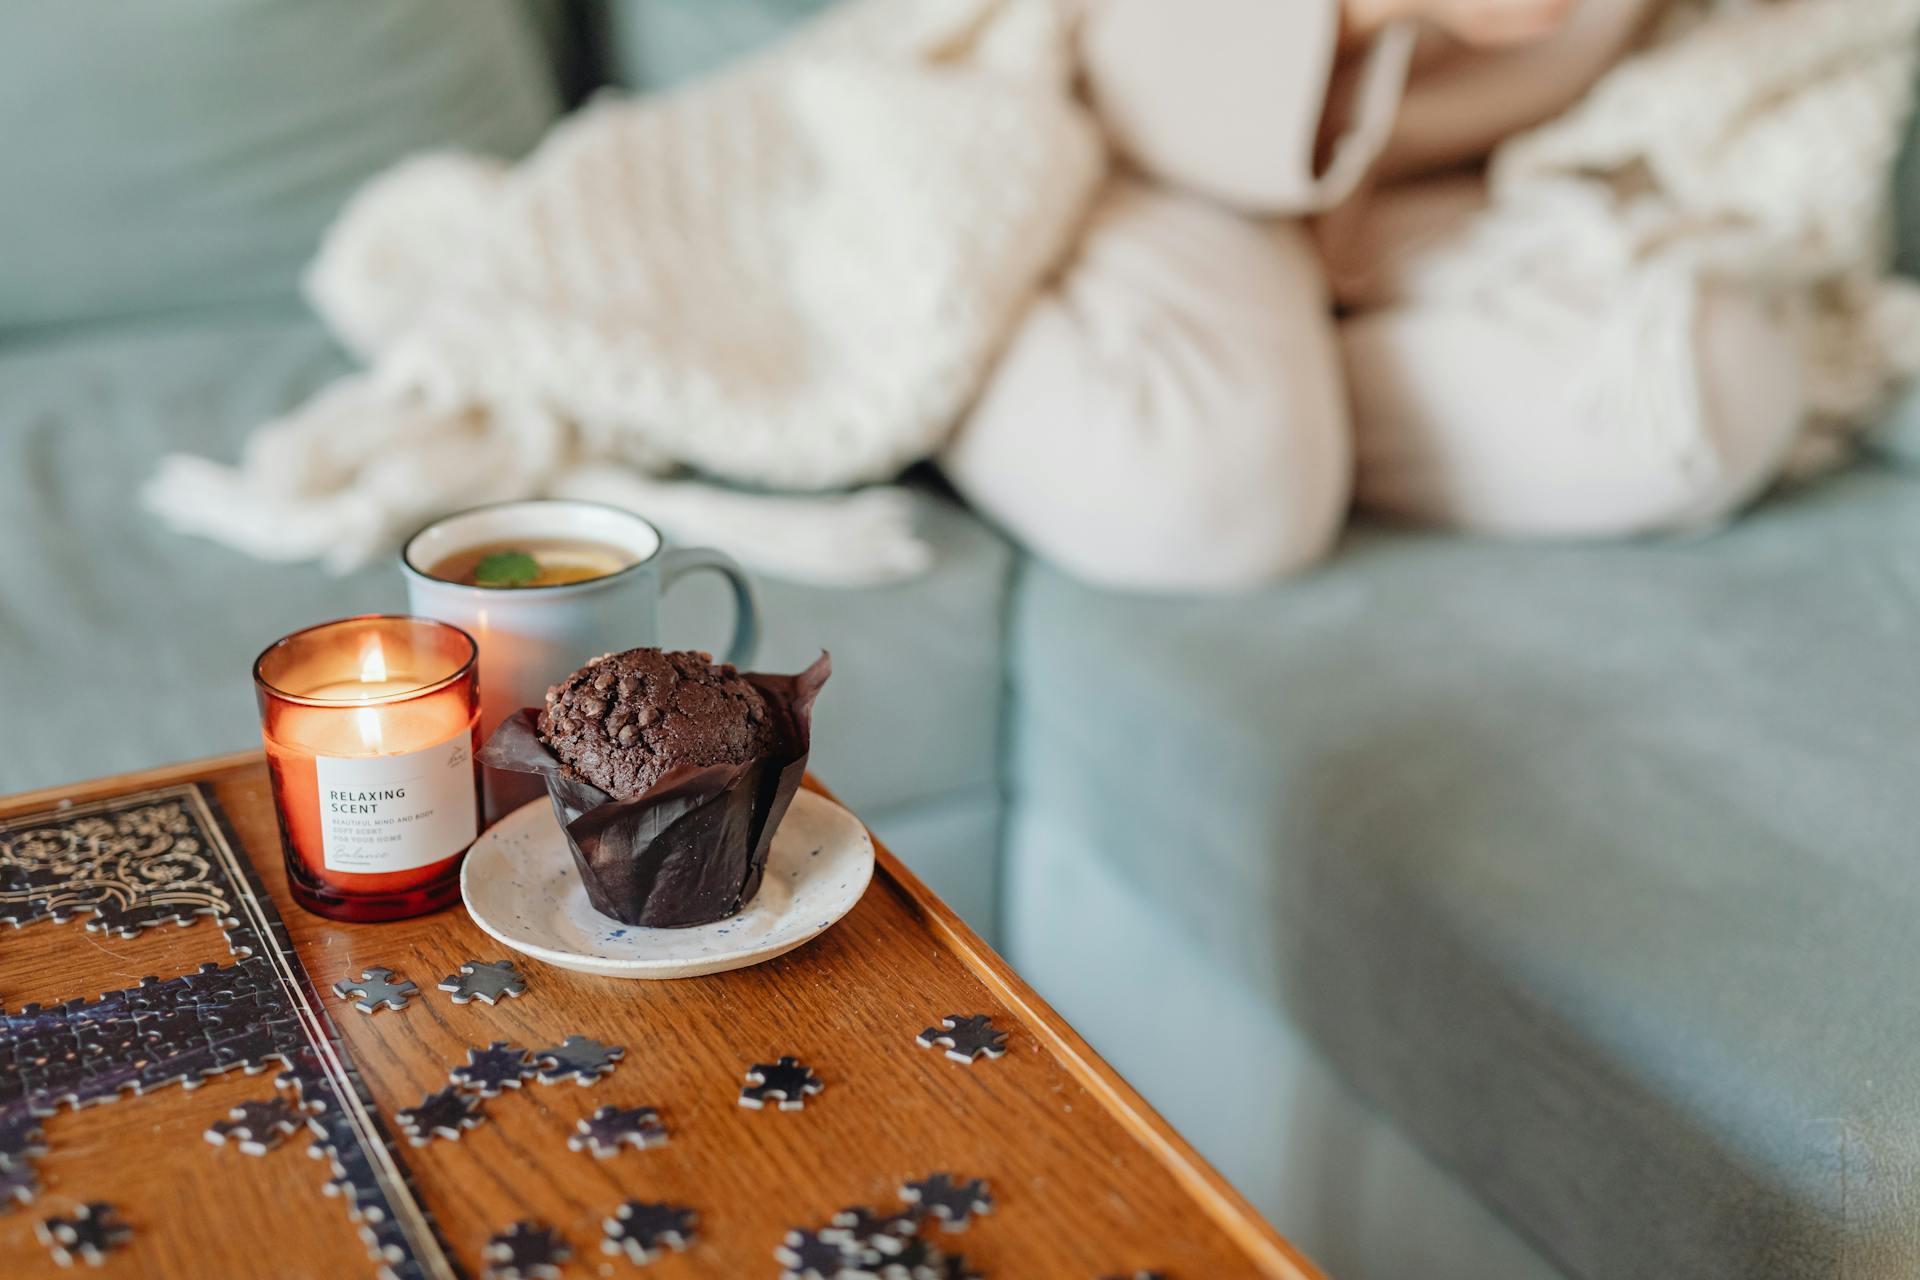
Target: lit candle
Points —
{"points": [[370, 727]]}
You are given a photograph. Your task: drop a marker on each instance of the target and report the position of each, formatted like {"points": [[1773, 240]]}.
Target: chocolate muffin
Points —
{"points": [[625, 719], [692, 850]]}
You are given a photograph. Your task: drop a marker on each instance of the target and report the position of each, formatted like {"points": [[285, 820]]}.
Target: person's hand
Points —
{"points": [[1479, 22]]}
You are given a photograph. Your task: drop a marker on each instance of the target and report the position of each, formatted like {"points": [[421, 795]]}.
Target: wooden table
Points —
{"points": [[1088, 1181]]}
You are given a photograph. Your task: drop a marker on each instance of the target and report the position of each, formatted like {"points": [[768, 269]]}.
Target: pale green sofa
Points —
{"points": [[1487, 912]]}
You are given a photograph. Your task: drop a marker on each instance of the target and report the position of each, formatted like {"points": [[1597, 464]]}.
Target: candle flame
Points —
{"points": [[373, 662], [373, 671], [369, 723]]}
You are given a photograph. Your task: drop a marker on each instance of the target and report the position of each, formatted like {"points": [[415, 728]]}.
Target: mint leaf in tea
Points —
{"points": [[506, 569], [536, 562]]}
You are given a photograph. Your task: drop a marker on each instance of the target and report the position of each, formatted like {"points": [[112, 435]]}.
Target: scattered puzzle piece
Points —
{"points": [[526, 1251], [952, 1203], [259, 1126], [94, 1231], [955, 1267], [376, 990], [920, 1260], [966, 1037], [788, 1080], [808, 1255], [858, 1244], [486, 981], [18, 1186], [859, 1227], [610, 1128], [498, 1066], [639, 1229], [577, 1058], [446, 1113]]}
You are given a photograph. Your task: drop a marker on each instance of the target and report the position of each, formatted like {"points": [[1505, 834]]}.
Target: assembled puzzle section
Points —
{"points": [[166, 857]]}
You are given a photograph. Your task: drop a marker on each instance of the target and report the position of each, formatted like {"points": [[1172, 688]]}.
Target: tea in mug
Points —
{"points": [[531, 562]]}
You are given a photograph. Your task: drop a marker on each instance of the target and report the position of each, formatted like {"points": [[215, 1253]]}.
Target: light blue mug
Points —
{"points": [[532, 637]]}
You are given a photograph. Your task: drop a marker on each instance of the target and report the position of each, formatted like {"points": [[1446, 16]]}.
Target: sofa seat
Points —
{"points": [[1591, 866], [123, 645]]}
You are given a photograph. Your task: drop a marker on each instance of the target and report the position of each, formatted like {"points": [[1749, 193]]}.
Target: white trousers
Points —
{"points": [[1183, 410]]}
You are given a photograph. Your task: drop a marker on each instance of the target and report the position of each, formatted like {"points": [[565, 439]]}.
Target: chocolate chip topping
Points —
{"points": [[624, 719]]}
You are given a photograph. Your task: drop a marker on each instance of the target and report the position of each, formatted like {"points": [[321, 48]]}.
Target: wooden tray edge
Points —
{"points": [[71, 793], [1264, 1246]]}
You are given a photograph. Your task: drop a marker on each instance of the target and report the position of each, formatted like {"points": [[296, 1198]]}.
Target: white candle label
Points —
{"points": [[395, 813]]}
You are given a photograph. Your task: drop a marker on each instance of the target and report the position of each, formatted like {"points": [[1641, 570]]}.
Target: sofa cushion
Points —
{"points": [[123, 645], [1593, 865], [191, 152], [1895, 438]]}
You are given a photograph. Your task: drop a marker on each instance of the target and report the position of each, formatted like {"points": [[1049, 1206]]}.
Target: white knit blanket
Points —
{"points": [[1753, 142], [793, 275], [796, 274]]}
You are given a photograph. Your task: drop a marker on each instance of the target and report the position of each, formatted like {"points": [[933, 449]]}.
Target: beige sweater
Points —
{"points": [[1228, 98]]}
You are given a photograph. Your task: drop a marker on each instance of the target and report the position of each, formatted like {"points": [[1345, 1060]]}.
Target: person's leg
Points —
{"points": [[1476, 409], [1169, 416], [1475, 421]]}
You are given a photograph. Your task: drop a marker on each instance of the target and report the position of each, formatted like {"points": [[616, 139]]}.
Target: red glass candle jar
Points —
{"points": [[371, 725]]}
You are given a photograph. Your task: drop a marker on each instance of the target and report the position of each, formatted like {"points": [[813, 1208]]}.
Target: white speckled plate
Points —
{"points": [[520, 885]]}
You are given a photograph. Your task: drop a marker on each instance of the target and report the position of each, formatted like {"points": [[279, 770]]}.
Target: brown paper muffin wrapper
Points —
{"points": [[692, 848]]}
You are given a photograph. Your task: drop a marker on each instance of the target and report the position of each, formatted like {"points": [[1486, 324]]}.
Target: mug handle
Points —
{"points": [[677, 562]]}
